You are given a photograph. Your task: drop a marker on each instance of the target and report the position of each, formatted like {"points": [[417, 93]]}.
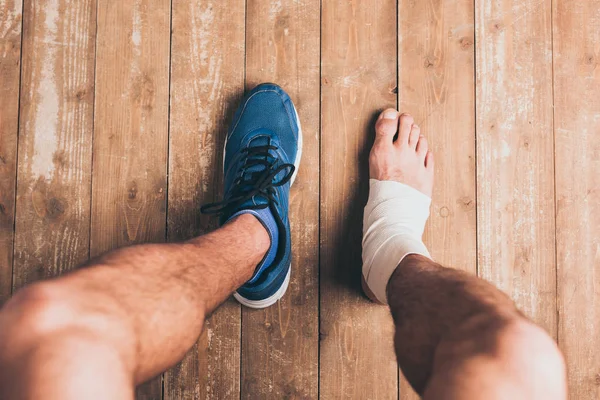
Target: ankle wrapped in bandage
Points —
{"points": [[393, 225]]}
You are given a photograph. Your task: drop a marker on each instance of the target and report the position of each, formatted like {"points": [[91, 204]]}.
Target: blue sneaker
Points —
{"points": [[260, 162]]}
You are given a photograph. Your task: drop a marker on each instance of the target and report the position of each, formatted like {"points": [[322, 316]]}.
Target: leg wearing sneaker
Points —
{"points": [[97, 332], [457, 336], [133, 313]]}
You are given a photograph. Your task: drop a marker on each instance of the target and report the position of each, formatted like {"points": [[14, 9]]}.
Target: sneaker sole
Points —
{"points": [[269, 301], [274, 298]]}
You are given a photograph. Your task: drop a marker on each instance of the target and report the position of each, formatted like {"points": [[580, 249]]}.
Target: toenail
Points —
{"points": [[390, 114]]}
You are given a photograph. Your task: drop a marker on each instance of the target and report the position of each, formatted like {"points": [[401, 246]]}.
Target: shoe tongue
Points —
{"points": [[258, 140], [254, 201], [262, 138]]}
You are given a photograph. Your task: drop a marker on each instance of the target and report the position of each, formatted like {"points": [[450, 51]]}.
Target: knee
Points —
{"points": [[527, 348], [36, 310], [508, 340], [54, 314], [506, 352], [44, 309], [45, 325]]}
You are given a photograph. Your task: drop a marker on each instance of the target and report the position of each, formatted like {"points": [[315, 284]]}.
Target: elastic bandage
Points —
{"points": [[393, 225]]}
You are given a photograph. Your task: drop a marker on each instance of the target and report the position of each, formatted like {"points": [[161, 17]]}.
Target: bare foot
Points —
{"points": [[407, 159]]}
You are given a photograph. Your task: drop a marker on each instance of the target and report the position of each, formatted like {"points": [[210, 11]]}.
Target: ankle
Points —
{"points": [[393, 224], [256, 234]]}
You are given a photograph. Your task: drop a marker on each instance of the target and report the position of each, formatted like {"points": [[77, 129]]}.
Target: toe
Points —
{"points": [[386, 127], [406, 122], [422, 147], [429, 161], [413, 138]]}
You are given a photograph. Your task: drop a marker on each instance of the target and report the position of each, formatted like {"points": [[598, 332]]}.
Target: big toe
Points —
{"points": [[386, 127]]}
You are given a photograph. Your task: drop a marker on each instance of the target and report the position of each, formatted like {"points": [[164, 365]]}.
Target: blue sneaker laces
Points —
{"points": [[253, 181]]}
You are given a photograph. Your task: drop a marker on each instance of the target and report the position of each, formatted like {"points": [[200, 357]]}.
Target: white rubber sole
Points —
{"points": [[299, 153], [269, 301], [275, 297]]}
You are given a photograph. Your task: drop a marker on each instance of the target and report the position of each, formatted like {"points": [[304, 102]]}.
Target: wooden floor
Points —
{"points": [[113, 116]]}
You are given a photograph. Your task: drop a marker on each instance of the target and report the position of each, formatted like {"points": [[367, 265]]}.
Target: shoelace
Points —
{"points": [[253, 183]]}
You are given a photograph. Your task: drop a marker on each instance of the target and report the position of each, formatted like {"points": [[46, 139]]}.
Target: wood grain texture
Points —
{"points": [[358, 80], [56, 124], [437, 87], [515, 166], [280, 344], [522, 223], [207, 82], [577, 135], [11, 13], [131, 129]]}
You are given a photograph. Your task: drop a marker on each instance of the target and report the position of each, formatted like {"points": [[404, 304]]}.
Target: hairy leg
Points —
{"points": [[127, 316], [457, 336]]}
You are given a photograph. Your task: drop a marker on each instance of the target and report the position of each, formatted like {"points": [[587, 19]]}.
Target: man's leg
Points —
{"points": [[99, 331], [457, 336], [133, 313]]}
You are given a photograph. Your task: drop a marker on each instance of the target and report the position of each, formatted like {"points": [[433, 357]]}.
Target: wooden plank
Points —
{"points": [[280, 344], [515, 172], [207, 82], [10, 73], [437, 87], [577, 129], [56, 126], [358, 80], [131, 129]]}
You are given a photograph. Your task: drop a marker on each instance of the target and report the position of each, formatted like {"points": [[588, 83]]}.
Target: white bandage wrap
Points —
{"points": [[393, 225]]}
